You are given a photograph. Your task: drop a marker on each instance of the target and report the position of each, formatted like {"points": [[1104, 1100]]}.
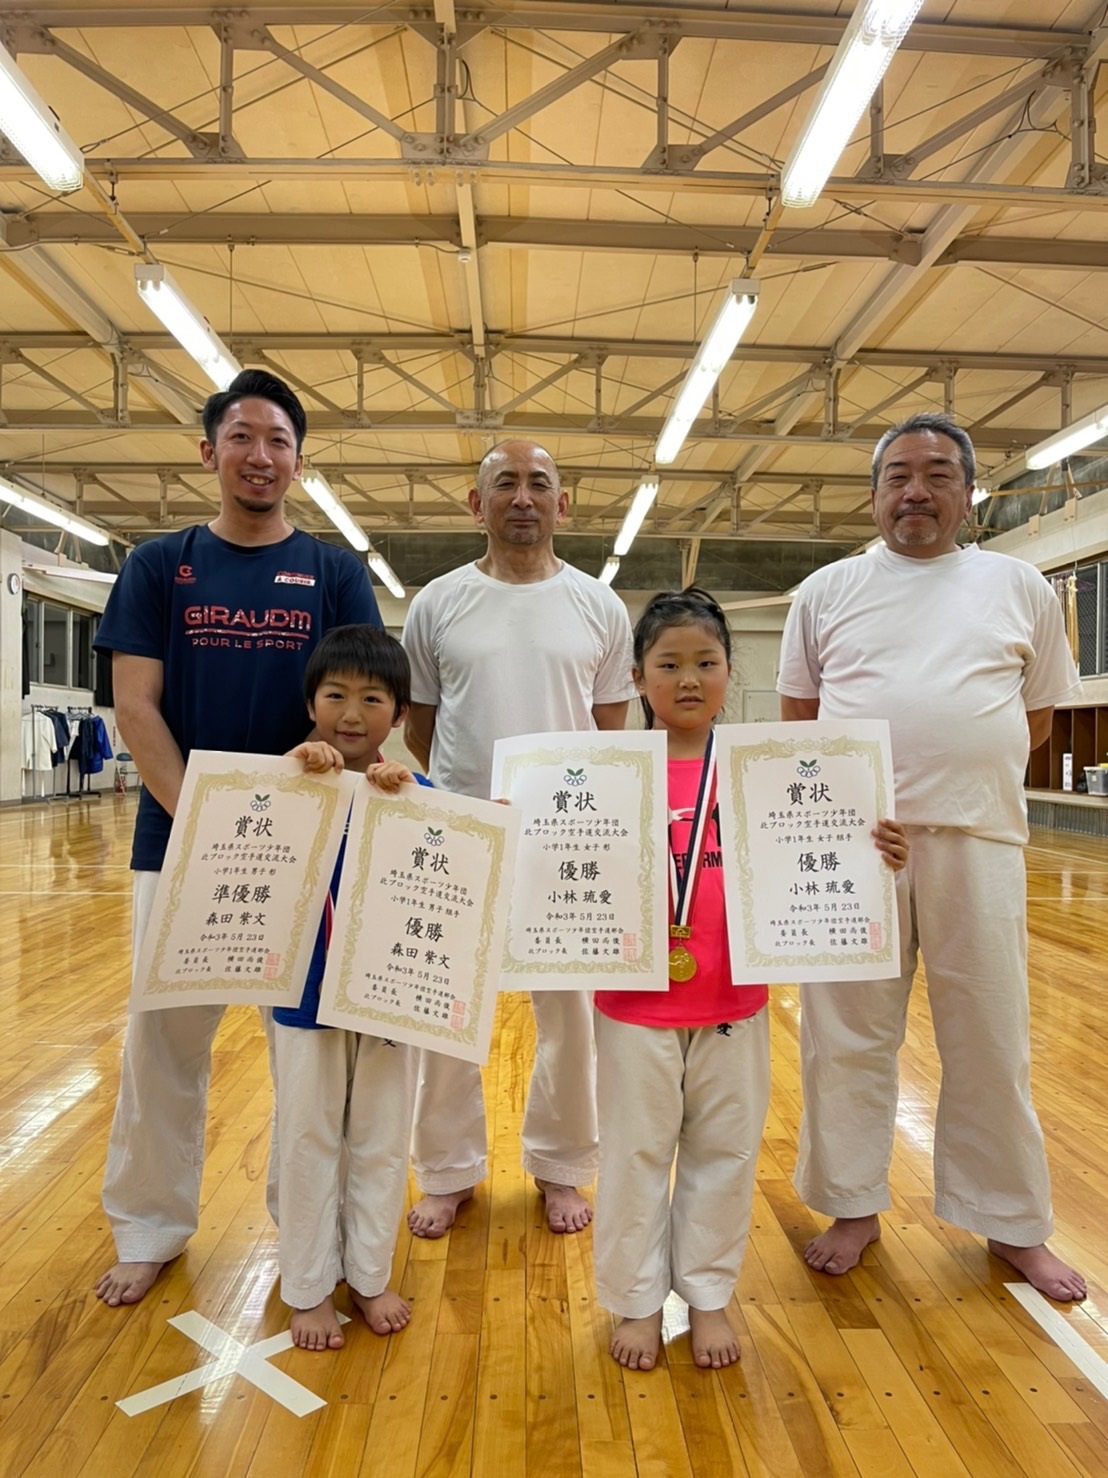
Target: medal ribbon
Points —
{"points": [[682, 889]]}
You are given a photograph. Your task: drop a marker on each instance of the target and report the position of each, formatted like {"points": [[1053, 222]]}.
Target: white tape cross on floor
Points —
{"points": [[1064, 1335], [232, 1358]]}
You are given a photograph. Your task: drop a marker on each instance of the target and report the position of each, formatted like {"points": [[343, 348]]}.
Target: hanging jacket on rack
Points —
{"points": [[62, 732], [91, 747]]}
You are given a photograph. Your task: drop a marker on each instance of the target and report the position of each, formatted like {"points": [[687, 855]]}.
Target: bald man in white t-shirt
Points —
{"points": [[964, 652], [516, 643]]}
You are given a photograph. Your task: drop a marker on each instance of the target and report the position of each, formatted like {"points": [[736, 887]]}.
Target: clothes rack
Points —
{"points": [[84, 792]]}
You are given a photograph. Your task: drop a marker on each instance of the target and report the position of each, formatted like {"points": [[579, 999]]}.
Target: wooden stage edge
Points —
{"points": [[922, 1361]]}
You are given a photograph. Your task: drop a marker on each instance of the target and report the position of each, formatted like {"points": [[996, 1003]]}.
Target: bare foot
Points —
{"points": [[318, 1328], [387, 1313], [433, 1216], [714, 1342], [127, 1282], [840, 1247], [1044, 1271], [635, 1342], [566, 1209]]}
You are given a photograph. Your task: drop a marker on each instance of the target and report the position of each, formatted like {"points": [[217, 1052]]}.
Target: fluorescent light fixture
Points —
{"points": [[74, 572], [632, 523], [610, 570], [191, 329], [980, 493], [718, 346], [386, 574], [30, 125], [50, 513], [874, 32], [321, 493], [1073, 438]]}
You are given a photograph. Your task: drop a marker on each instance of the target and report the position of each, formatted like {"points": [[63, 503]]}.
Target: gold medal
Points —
{"points": [[682, 966]]}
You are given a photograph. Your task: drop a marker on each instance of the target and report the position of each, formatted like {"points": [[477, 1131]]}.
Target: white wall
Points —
{"points": [[1060, 540], [11, 667]]}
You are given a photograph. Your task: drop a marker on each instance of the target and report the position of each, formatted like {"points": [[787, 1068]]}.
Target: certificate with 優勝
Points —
{"points": [[419, 922], [243, 886], [809, 897], [589, 906]]}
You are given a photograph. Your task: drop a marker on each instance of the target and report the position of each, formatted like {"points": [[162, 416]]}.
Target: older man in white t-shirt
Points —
{"points": [[516, 643], [964, 652]]}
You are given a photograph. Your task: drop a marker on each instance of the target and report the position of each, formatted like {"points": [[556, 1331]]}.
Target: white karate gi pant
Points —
{"points": [[345, 1103], [450, 1140], [703, 1096], [962, 902], [156, 1147]]}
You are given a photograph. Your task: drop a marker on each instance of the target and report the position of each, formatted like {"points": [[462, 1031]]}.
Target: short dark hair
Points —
{"points": [[941, 425], [262, 386], [689, 607], [362, 651]]}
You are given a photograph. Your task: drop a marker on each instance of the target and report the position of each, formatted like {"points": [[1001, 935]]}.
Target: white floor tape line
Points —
{"points": [[232, 1358], [1063, 1333]]}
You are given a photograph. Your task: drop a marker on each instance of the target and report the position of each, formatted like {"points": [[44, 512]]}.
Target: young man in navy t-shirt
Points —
{"points": [[210, 630]]}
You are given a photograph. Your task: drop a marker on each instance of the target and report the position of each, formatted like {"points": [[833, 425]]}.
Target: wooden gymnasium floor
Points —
{"points": [[920, 1362]]}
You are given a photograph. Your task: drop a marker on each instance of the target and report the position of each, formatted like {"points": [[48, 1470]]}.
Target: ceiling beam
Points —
{"points": [[634, 46], [900, 281], [32, 38], [1045, 108], [792, 527], [220, 228], [36, 270], [521, 423], [900, 166], [541, 345], [797, 27], [327, 84], [690, 155], [729, 183], [469, 258], [425, 471]]}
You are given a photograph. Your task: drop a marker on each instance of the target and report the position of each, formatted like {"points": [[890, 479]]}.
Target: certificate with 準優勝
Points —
{"points": [[243, 886]]}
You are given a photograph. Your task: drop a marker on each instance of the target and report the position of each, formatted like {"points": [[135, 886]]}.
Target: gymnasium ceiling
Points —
{"points": [[445, 224]]}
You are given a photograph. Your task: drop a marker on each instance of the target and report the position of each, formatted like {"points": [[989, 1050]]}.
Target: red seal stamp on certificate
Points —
{"points": [[876, 934]]}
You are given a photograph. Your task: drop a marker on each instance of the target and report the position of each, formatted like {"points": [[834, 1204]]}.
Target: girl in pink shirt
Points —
{"points": [[683, 1072]]}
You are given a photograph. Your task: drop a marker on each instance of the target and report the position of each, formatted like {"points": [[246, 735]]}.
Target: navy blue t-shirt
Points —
{"points": [[233, 626], [306, 1013]]}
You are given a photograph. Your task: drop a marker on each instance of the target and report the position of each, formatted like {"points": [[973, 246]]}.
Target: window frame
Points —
{"points": [[35, 606]]}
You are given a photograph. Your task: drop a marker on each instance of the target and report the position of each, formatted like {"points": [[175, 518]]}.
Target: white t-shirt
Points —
{"points": [[953, 652], [499, 660]]}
